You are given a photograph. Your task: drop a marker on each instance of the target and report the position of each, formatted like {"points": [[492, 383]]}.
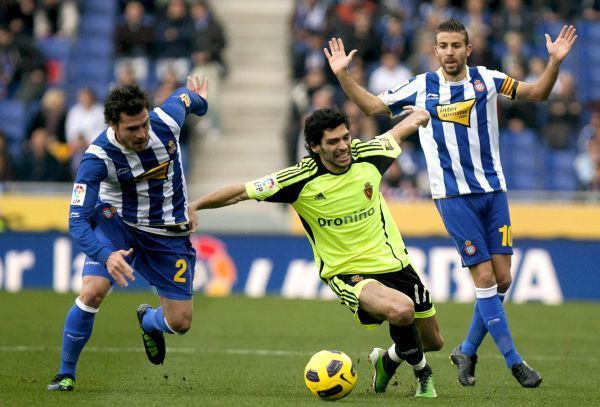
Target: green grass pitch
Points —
{"points": [[252, 352]]}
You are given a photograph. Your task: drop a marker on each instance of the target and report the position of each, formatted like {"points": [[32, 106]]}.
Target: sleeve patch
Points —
{"points": [[78, 196], [263, 184], [185, 99]]}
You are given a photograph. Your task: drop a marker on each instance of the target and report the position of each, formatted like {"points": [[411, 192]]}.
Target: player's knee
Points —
{"points": [[504, 284], [433, 344], [92, 297], [401, 314], [181, 324]]}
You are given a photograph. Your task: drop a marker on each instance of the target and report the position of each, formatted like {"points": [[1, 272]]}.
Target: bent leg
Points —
{"points": [[80, 321], [429, 332], [173, 316]]}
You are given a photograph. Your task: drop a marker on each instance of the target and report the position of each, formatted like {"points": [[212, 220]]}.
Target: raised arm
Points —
{"points": [[339, 62], [557, 51], [223, 197], [410, 124]]}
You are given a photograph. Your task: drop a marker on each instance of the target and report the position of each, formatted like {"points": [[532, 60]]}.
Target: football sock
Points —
{"points": [[492, 312], [407, 343], [78, 329], [477, 331], [154, 320]]}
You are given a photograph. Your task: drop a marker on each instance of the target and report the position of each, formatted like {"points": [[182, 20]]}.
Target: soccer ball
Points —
{"points": [[330, 375]]}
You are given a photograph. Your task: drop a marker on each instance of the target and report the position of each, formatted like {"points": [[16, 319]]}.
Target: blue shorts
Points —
{"points": [[479, 225], [166, 262]]}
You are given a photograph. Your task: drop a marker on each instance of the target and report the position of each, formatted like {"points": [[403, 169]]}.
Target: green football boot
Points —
{"points": [[381, 378], [154, 342], [425, 387], [62, 382]]}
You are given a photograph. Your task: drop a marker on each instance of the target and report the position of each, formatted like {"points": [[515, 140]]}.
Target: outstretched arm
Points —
{"points": [[558, 50], [410, 124], [339, 62], [223, 197]]}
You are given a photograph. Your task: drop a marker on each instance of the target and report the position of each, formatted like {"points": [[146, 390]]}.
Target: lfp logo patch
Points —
{"points": [[78, 196]]}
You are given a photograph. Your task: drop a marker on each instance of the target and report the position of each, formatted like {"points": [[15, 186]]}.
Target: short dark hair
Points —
{"points": [[452, 26], [129, 99], [323, 119]]}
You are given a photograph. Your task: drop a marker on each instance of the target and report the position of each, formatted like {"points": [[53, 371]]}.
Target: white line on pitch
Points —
{"points": [[259, 352]]}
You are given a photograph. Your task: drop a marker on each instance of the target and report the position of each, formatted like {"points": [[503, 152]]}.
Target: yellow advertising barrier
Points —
{"points": [[26, 212], [529, 220]]}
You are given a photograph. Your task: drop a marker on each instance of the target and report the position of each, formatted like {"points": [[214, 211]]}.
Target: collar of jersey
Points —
{"points": [[443, 80]]}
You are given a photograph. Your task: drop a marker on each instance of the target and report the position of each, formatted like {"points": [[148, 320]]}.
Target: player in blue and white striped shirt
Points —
{"points": [[129, 212], [462, 153]]}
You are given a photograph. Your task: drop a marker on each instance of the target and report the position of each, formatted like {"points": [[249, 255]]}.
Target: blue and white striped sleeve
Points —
{"points": [[92, 171], [181, 103], [404, 94]]}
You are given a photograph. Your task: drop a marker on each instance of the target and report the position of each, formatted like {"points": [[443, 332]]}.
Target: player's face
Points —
{"points": [[334, 149], [133, 131], [452, 53]]}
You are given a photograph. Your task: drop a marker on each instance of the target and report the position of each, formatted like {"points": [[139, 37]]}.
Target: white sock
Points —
{"points": [[393, 355]]}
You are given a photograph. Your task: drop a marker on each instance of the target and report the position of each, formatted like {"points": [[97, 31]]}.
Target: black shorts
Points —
{"points": [[406, 281]]}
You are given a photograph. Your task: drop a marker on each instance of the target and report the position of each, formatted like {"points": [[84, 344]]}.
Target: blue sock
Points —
{"points": [[492, 312], [77, 331], [154, 320], [477, 331]]}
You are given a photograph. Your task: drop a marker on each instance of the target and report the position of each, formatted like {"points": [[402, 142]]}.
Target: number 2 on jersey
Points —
{"points": [[181, 266], [506, 235]]}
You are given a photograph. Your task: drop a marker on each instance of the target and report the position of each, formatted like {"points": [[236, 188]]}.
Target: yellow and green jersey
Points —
{"points": [[345, 217]]}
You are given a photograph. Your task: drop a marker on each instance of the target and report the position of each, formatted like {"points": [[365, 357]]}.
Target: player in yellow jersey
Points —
{"points": [[358, 249]]}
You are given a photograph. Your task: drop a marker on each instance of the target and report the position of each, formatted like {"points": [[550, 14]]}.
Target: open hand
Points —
{"points": [[336, 55], [119, 268], [195, 86], [560, 48]]}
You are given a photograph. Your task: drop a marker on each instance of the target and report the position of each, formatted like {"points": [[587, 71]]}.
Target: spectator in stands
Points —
{"points": [[512, 15], [85, 120], [133, 40], [7, 163], [310, 15], [208, 44], [564, 110], [19, 17], [308, 54], [362, 127], [37, 163], [173, 40], [361, 35], [56, 17], [22, 72], [52, 116], [389, 71]]}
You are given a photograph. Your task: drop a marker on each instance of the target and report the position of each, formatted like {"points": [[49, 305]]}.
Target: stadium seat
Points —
{"points": [[95, 46], [103, 7], [55, 48], [97, 26], [12, 118]]}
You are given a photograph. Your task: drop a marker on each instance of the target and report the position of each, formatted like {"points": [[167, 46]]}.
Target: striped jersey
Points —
{"points": [[461, 141], [147, 188], [344, 215]]}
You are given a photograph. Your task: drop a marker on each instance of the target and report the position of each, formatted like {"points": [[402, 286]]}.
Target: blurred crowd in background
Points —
{"points": [[59, 59], [545, 146]]}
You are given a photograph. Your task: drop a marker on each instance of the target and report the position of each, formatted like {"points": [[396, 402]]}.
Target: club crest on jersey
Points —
{"points": [[368, 190], [470, 248], [185, 99], [159, 172], [172, 147], [478, 85]]}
